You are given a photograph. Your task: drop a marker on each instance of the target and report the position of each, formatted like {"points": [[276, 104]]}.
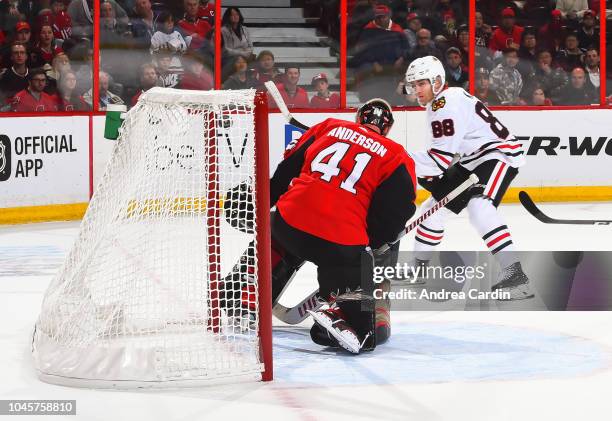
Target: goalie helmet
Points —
{"points": [[378, 112], [429, 68]]}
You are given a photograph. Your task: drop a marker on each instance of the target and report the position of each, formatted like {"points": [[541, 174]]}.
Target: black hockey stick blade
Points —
{"points": [[297, 124], [536, 212]]}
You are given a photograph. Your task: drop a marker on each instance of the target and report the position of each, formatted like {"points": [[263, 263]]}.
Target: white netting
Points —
{"points": [[141, 298]]}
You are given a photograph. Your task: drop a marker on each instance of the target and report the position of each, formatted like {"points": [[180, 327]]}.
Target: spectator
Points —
{"points": [[578, 91], [382, 20], [401, 10], [67, 99], [148, 79], [293, 95], [362, 13], [143, 23], [196, 76], [168, 75], [206, 11], [508, 35], [463, 43], [46, 47], [483, 32], [378, 59], [241, 78], [456, 74], [414, 25], [193, 27], [527, 54], [266, 70], [425, 46], [14, 78], [61, 20], [483, 39], [591, 65], [59, 65], [236, 38], [168, 39], [572, 9], [83, 55], [538, 98], [34, 98], [23, 34], [447, 13], [548, 75], [106, 96], [572, 55], [9, 16], [552, 34], [483, 91], [588, 35], [81, 13], [506, 80], [441, 43], [323, 98], [113, 32]]}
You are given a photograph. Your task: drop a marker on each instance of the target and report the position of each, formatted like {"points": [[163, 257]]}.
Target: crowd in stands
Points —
{"points": [[384, 36], [541, 53], [45, 55], [532, 52]]}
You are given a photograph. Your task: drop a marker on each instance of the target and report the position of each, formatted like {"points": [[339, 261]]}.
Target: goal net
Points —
{"points": [[142, 300]]}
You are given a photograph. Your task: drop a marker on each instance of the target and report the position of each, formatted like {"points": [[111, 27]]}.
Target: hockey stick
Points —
{"points": [[536, 212], [298, 313], [276, 95], [473, 179]]}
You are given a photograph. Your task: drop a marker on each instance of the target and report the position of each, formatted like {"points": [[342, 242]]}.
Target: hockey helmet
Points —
{"points": [[429, 68], [378, 112]]}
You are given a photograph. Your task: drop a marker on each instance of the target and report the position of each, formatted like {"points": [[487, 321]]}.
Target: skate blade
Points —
{"points": [[327, 324]]}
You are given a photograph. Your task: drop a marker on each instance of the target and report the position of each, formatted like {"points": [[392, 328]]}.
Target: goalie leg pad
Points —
{"points": [[382, 314]]}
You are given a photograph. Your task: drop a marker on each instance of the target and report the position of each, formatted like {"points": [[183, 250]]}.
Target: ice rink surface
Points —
{"points": [[437, 365]]}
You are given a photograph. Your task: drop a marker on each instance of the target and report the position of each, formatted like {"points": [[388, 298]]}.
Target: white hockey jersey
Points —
{"points": [[459, 124]]}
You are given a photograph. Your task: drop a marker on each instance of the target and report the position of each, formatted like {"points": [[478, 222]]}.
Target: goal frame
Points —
{"points": [[264, 242], [49, 354]]}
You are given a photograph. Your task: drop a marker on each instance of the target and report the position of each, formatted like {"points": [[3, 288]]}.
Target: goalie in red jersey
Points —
{"points": [[342, 190]]}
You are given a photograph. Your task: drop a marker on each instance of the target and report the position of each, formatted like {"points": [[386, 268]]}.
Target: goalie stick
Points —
{"points": [[276, 95], [531, 207], [298, 313]]}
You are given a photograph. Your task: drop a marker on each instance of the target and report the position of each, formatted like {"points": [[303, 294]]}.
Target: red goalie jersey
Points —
{"points": [[346, 184]]}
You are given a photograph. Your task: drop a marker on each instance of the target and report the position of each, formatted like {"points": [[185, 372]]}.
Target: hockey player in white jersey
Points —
{"points": [[466, 138]]}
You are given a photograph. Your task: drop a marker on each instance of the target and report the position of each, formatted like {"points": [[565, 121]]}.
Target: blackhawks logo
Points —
{"points": [[438, 103]]}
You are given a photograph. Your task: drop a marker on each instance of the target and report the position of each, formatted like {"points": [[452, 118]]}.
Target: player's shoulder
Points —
{"points": [[449, 100]]}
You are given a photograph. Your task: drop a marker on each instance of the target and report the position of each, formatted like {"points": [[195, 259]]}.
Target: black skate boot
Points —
{"points": [[515, 282]]}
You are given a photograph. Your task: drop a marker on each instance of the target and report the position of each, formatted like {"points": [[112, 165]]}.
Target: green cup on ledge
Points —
{"points": [[113, 120]]}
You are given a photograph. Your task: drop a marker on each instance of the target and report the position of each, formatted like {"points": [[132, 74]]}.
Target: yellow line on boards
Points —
{"points": [[46, 213], [28, 214]]}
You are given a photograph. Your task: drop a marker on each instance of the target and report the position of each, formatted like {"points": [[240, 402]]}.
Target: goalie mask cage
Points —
{"points": [[141, 299]]}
